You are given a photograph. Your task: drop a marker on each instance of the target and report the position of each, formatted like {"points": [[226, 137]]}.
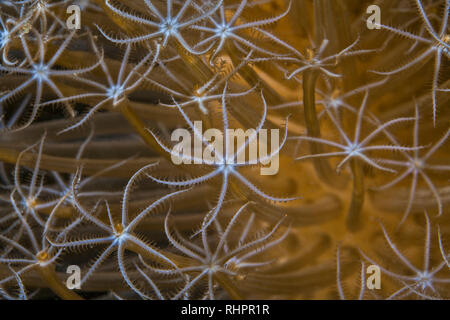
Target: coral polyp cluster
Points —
{"points": [[224, 149]]}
